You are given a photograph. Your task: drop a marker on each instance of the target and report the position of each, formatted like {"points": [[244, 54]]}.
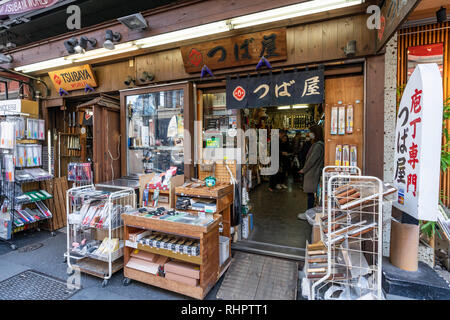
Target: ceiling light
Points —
{"points": [[184, 34], [300, 106], [441, 15], [134, 22], [82, 45], [43, 65], [292, 11], [5, 58], [110, 38], [284, 108], [70, 45]]}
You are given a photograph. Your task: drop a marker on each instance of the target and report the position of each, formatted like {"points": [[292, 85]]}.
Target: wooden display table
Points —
{"points": [[222, 193], [208, 259]]}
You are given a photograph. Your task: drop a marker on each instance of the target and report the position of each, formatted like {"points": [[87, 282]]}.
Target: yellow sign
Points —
{"points": [[75, 78]]}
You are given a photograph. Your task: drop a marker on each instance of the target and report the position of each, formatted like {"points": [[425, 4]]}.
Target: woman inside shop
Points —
{"points": [[312, 170]]}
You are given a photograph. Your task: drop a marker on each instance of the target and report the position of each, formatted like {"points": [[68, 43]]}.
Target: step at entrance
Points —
{"points": [[285, 252]]}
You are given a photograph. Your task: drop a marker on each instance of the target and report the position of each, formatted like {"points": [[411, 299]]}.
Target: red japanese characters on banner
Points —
{"points": [[21, 6], [418, 143]]}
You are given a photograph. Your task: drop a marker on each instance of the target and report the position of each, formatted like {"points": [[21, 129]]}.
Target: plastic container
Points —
{"points": [[224, 249]]}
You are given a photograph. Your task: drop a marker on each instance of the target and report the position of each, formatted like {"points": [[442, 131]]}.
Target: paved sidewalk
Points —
{"points": [[49, 260]]}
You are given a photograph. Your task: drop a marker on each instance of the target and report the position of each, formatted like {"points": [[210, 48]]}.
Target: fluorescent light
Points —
{"points": [[184, 34], [43, 65], [284, 107], [292, 11], [300, 106]]}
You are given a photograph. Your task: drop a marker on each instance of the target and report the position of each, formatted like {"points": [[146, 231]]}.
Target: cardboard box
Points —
{"points": [[404, 246], [144, 255], [183, 269], [182, 279], [142, 265]]}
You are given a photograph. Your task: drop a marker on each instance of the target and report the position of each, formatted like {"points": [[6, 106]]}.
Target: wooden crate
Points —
{"points": [[218, 191]]}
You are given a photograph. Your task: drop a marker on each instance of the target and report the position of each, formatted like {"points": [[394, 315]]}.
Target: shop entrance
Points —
{"points": [[276, 200], [276, 227]]}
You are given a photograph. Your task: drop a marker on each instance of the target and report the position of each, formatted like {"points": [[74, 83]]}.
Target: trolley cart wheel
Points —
{"points": [[13, 247], [70, 271], [104, 283], [65, 260], [53, 233], [126, 281]]}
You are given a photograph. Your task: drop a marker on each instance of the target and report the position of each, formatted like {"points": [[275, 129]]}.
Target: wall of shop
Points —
{"points": [[423, 35], [306, 44]]}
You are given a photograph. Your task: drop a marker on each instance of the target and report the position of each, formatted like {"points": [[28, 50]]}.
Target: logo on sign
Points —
{"points": [[57, 79], [239, 93], [195, 57]]}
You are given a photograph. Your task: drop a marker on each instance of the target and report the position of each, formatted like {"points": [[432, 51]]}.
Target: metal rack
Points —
{"points": [[8, 187], [94, 214], [351, 236]]}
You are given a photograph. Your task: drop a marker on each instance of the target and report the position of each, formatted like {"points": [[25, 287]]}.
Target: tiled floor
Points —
{"points": [[275, 216]]}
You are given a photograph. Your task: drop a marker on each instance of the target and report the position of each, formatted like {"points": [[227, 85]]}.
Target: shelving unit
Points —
{"points": [[94, 214], [349, 256], [26, 214], [221, 193], [175, 181], [207, 260]]}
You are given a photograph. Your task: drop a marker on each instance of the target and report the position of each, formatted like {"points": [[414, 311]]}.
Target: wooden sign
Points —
{"points": [[236, 51], [393, 13], [75, 78]]}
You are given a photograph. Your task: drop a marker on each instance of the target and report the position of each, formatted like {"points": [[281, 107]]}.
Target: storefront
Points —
{"points": [[132, 127]]}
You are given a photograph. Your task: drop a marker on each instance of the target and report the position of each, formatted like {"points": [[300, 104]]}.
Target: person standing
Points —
{"points": [[312, 170]]}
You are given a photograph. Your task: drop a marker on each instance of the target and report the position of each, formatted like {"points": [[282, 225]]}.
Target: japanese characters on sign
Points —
{"points": [[418, 144], [275, 90], [236, 51]]}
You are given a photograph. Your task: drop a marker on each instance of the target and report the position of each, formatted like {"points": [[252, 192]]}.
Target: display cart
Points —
{"points": [[95, 228], [349, 257]]}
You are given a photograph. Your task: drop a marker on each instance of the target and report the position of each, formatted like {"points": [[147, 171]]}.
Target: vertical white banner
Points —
{"points": [[418, 139]]}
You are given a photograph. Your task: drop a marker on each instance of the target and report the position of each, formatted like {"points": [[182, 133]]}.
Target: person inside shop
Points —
{"points": [[312, 170], [296, 148], [278, 180], [285, 159]]}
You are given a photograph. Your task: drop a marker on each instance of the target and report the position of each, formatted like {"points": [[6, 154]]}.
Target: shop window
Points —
{"points": [[155, 131], [217, 122], [430, 53]]}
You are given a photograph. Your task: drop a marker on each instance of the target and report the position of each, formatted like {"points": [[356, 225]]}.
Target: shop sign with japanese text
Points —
{"points": [[235, 51], [75, 78], [20, 6], [418, 144], [275, 90]]}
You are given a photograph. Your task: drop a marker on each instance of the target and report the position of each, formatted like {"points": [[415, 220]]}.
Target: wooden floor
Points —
{"points": [[257, 277]]}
